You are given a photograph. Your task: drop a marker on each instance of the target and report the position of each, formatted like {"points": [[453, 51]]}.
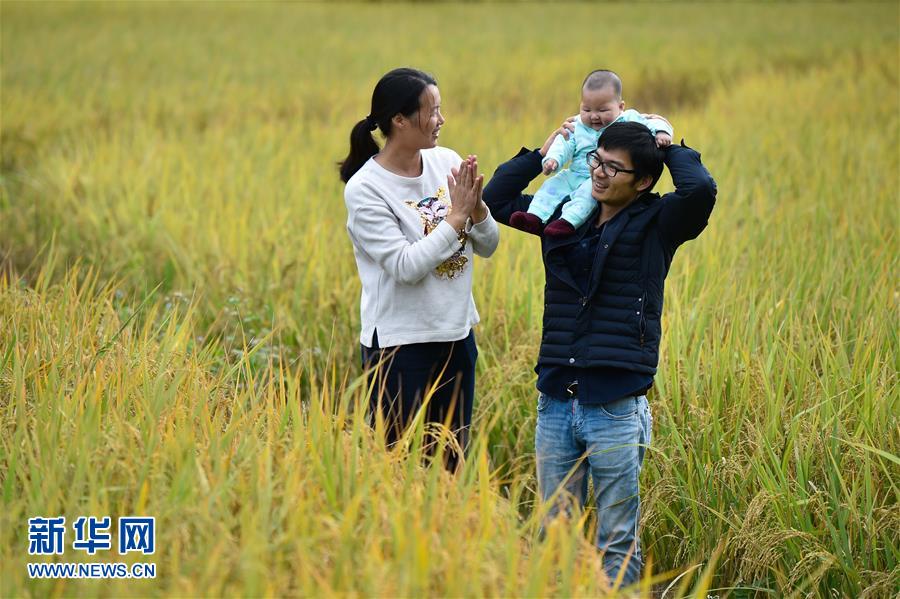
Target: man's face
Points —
{"points": [[621, 189]]}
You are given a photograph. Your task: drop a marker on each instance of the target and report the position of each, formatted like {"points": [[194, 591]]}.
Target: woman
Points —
{"points": [[415, 217]]}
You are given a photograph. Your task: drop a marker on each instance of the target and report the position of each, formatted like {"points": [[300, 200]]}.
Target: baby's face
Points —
{"points": [[600, 107]]}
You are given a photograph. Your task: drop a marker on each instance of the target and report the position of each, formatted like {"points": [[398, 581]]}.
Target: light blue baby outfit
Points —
{"points": [[575, 181]]}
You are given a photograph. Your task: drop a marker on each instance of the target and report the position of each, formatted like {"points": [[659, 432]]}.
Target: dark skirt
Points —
{"points": [[408, 373]]}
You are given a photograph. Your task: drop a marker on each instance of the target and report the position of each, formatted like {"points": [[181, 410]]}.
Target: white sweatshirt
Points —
{"points": [[416, 271]]}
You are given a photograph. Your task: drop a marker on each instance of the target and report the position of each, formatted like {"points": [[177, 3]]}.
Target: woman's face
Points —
{"points": [[426, 123]]}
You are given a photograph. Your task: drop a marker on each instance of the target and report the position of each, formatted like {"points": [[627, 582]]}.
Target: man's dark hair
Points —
{"points": [[637, 140], [602, 78]]}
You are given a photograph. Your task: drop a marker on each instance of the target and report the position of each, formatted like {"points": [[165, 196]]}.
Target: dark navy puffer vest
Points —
{"points": [[617, 322]]}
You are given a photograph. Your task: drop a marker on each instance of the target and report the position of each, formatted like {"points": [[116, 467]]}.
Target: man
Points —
{"points": [[601, 330]]}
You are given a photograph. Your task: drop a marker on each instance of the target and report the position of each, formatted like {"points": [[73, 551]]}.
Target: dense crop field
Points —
{"points": [[179, 302]]}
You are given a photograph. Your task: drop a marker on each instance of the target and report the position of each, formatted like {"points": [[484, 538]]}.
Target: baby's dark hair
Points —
{"points": [[602, 78]]}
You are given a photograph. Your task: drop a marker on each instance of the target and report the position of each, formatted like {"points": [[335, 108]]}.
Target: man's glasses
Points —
{"points": [[593, 160]]}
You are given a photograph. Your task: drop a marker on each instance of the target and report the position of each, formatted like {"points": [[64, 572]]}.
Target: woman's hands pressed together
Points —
{"points": [[465, 186]]}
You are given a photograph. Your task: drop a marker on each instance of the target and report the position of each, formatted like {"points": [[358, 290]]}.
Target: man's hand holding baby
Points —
{"points": [[565, 129], [663, 139]]}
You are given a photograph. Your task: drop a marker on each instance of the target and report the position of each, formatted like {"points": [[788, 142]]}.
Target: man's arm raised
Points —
{"points": [[503, 193], [686, 210]]}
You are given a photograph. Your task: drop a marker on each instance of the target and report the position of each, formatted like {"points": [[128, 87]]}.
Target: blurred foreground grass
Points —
{"points": [[179, 309]]}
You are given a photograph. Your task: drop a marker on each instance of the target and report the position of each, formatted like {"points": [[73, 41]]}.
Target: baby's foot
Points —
{"points": [[559, 228], [525, 221]]}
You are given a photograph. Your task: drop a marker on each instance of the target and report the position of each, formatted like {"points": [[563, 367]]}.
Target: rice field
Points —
{"points": [[179, 305]]}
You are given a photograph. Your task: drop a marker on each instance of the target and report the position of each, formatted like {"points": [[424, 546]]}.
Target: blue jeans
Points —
{"points": [[608, 441]]}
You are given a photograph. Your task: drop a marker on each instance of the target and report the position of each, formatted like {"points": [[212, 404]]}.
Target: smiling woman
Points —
{"points": [[415, 217]]}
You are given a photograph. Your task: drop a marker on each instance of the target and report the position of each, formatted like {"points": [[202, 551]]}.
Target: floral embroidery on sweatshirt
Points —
{"points": [[432, 211]]}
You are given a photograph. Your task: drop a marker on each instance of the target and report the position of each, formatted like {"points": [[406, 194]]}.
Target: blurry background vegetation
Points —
{"points": [[179, 302]]}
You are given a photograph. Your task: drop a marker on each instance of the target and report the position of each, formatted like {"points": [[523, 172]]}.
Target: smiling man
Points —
{"points": [[603, 301]]}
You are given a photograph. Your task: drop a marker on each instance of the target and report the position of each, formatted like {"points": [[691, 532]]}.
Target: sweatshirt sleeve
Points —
{"points": [[374, 230], [485, 236]]}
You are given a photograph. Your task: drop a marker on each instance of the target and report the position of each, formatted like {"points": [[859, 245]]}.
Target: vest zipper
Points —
{"points": [[642, 323]]}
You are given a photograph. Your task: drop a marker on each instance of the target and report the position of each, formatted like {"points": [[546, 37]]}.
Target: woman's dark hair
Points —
{"points": [[397, 92]]}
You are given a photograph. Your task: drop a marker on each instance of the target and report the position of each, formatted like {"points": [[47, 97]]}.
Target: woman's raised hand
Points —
{"points": [[465, 186]]}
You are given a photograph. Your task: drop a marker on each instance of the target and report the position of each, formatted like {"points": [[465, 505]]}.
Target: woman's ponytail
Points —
{"points": [[397, 92], [362, 147]]}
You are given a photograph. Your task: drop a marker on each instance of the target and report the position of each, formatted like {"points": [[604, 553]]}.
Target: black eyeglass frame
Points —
{"points": [[593, 161]]}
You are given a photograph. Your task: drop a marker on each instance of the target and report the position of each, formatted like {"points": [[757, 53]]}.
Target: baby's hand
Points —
{"points": [[663, 139], [550, 166]]}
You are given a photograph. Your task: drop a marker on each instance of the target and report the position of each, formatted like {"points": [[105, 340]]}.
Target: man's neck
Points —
{"points": [[400, 160], [607, 212]]}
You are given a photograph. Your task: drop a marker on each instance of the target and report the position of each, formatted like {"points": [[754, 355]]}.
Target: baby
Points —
{"points": [[601, 105]]}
